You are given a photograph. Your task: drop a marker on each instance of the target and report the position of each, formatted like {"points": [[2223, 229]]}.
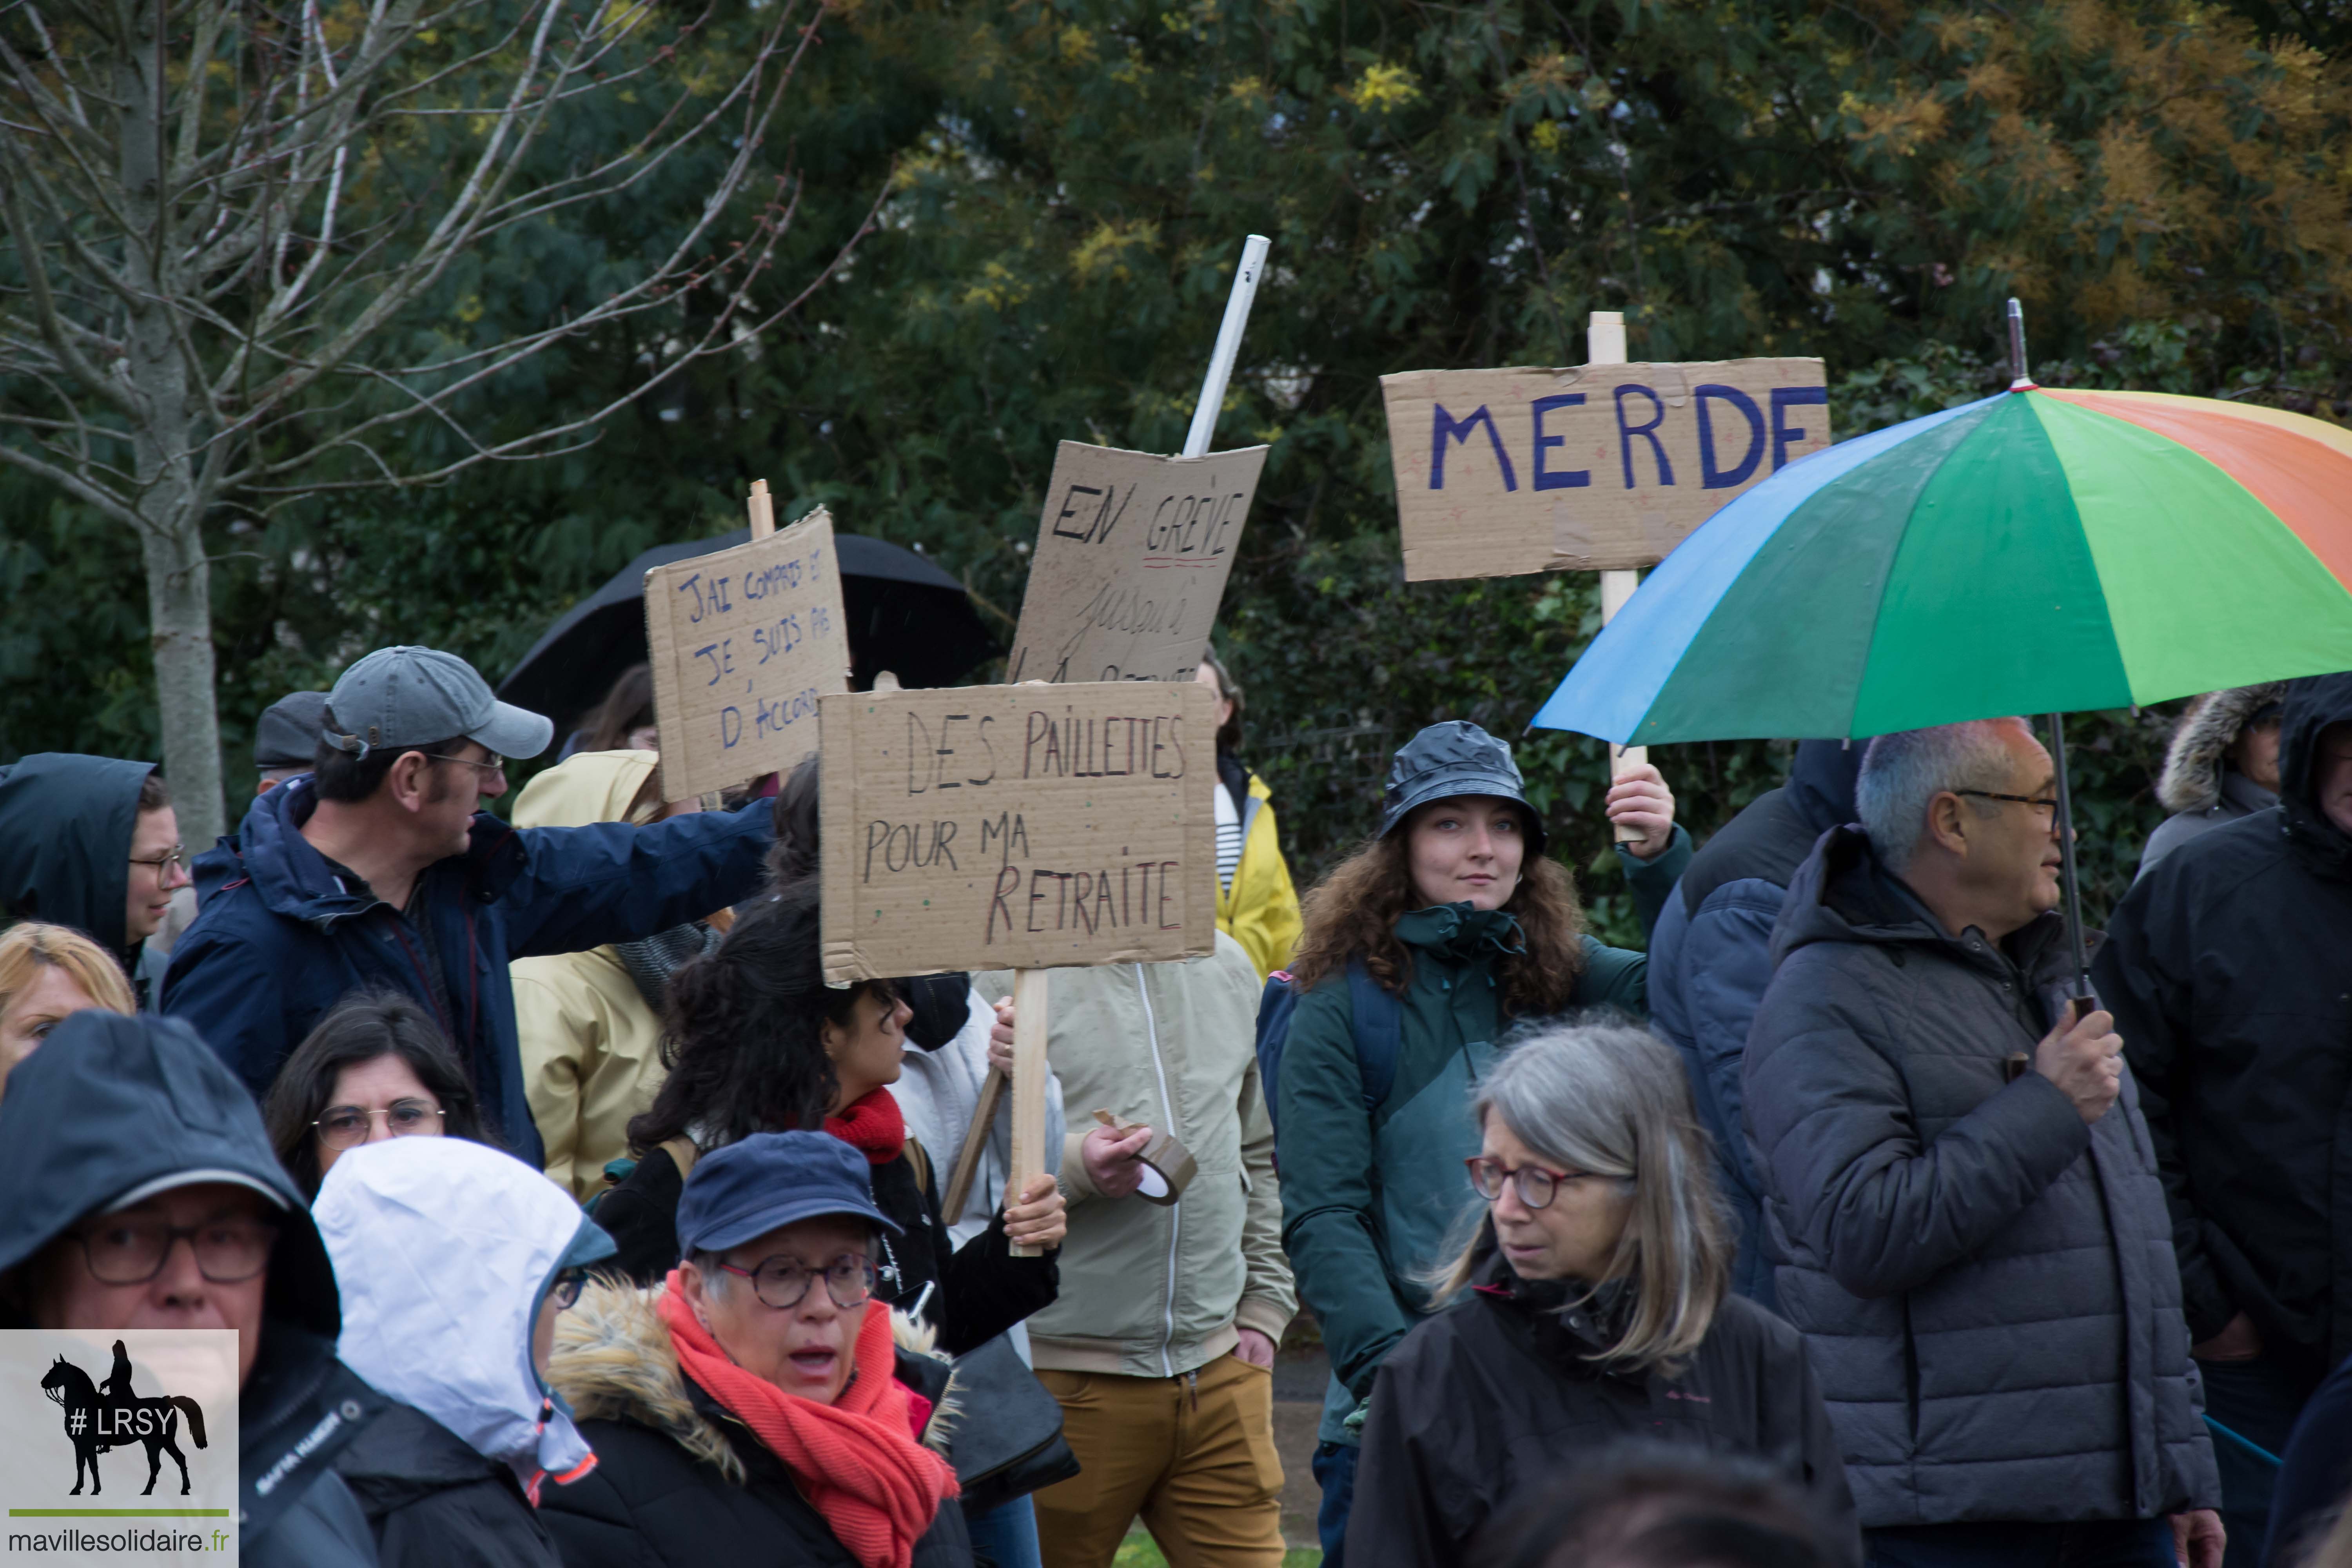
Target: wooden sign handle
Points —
{"points": [[1029, 1152], [1605, 344], [975, 1144], [764, 509]]}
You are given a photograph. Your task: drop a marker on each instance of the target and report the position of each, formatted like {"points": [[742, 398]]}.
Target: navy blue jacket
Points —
{"points": [[280, 942], [1711, 957]]}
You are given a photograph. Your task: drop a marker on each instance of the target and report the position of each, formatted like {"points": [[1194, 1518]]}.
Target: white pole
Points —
{"points": [[1229, 346], [1605, 344]]}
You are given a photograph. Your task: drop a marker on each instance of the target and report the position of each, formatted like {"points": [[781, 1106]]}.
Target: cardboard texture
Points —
{"points": [[1594, 467], [1132, 554], [1017, 827], [744, 643]]}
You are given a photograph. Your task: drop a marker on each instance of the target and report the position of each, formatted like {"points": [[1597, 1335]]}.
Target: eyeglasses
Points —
{"points": [[2044, 808], [130, 1250], [345, 1125], [780, 1283], [565, 1291], [497, 765], [1537, 1185], [175, 858]]}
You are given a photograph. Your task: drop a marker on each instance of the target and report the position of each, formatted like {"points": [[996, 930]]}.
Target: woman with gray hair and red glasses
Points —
{"points": [[1589, 1304]]}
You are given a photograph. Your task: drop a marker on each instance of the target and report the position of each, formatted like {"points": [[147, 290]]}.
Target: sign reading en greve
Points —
{"points": [[117, 1445]]}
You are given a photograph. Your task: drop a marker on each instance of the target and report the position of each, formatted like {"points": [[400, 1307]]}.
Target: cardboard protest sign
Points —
{"points": [[743, 642], [1132, 555], [1604, 467], [1017, 826]]}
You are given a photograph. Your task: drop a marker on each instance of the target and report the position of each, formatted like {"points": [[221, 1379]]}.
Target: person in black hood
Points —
{"points": [[133, 1120], [2225, 967], [90, 843], [1711, 957]]}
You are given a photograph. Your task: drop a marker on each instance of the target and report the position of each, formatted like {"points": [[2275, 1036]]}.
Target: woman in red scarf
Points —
{"points": [[754, 1407], [756, 1042]]}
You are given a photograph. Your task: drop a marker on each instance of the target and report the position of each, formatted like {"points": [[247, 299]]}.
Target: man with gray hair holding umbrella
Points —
{"points": [[1957, 1189]]}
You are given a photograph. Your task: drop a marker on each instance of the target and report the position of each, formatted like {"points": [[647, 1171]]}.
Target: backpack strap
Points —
{"points": [[1379, 1025]]}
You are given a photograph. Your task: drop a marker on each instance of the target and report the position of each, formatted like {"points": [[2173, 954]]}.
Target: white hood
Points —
{"points": [[443, 1249]]}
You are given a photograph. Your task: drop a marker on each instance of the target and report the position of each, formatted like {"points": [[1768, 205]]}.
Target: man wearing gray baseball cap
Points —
{"points": [[377, 870]]}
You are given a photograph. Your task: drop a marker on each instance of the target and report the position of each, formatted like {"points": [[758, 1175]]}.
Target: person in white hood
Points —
{"points": [[454, 1259]]}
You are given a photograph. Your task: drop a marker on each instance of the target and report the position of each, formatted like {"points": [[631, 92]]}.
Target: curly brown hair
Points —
{"points": [[1352, 912]]}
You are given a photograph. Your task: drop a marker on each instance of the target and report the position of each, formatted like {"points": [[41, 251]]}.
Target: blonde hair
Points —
{"points": [[1609, 1099], [27, 949]]}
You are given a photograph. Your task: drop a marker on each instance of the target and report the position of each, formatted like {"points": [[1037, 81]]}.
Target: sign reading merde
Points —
{"points": [[1132, 555], [744, 642], [1601, 466], [117, 1445], [1017, 826]]}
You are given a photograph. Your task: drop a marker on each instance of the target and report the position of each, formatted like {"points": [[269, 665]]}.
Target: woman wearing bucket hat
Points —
{"points": [[756, 1407], [1418, 952]]}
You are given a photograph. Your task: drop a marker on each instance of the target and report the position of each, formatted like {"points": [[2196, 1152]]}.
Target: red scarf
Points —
{"points": [[874, 1126], [877, 1488]]}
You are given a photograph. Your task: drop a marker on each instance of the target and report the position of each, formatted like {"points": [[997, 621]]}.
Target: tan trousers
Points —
{"points": [[1193, 1454]]}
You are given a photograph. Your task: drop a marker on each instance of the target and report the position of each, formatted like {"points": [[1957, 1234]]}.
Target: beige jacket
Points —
{"points": [[591, 1045], [1146, 1290]]}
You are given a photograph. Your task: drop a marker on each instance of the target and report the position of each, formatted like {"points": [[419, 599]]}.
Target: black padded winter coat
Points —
{"points": [[1985, 1283]]}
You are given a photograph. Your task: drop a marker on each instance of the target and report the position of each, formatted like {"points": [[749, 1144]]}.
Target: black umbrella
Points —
{"points": [[905, 615]]}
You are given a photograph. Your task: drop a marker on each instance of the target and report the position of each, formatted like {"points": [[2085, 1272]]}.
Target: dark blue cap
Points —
{"points": [[1455, 758], [770, 1180]]}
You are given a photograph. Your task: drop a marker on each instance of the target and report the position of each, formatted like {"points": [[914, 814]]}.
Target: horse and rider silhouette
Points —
{"points": [[113, 1416]]}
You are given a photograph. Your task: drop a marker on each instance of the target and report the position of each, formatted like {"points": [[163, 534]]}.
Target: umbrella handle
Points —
{"points": [[2072, 886]]}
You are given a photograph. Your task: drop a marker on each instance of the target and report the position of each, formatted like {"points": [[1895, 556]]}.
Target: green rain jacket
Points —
{"points": [[1371, 1201]]}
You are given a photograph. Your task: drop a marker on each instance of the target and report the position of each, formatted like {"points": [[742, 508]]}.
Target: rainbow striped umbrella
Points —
{"points": [[2038, 551]]}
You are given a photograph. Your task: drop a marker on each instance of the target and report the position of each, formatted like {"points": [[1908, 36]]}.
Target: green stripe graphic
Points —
{"points": [[117, 1514]]}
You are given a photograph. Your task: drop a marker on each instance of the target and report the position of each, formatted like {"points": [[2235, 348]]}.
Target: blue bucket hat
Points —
{"points": [[770, 1180], [1452, 758]]}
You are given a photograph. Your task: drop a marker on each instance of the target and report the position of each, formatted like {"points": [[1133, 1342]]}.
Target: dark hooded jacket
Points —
{"points": [[287, 937], [1711, 957], [66, 826], [1985, 1283], [1485, 1402], [2229, 967], [110, 1103]]}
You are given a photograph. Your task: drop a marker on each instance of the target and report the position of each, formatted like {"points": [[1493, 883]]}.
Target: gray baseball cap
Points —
{"points": [[414, 696], [288, 734]]}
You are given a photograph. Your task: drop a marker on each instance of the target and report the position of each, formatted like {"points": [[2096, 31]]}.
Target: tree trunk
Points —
{"points": [[180, 614], [171, 511]]}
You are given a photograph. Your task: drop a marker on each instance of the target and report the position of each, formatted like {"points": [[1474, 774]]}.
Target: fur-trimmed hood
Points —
{"points": [[614, 1361], [2194, 762]]}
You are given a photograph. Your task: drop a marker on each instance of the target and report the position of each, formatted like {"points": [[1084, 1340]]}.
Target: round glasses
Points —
{"points": [[1536, 1187], [782, 1283], [173, 860], [565, 1291], [344, 1126], [130, 1250]]}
